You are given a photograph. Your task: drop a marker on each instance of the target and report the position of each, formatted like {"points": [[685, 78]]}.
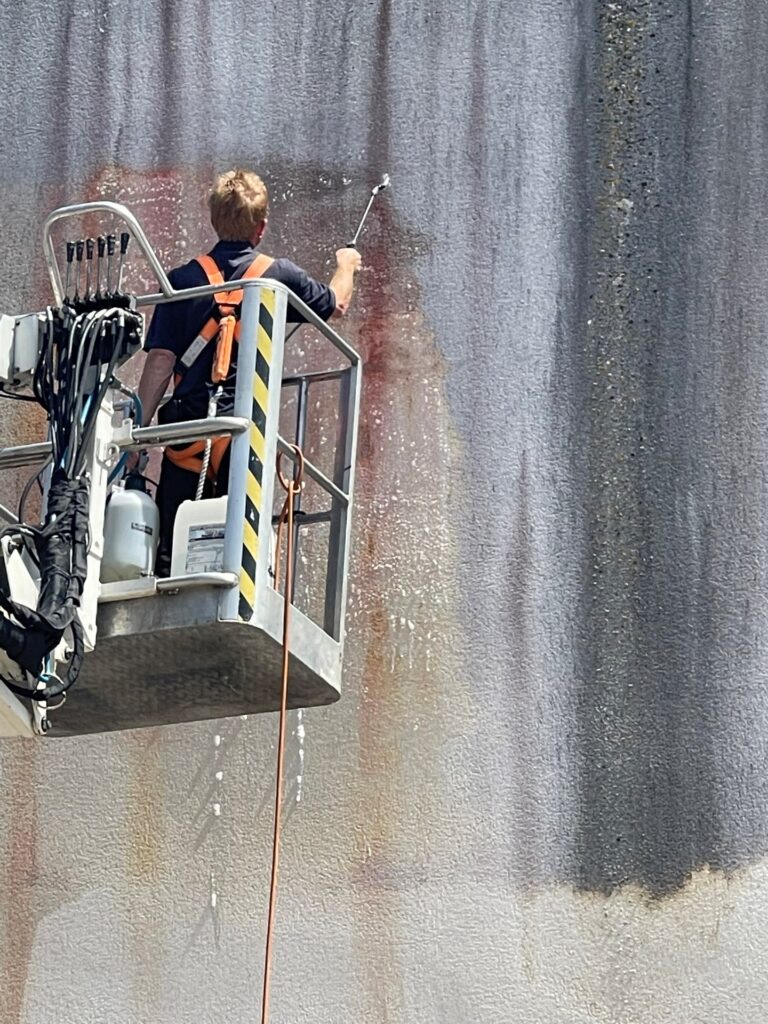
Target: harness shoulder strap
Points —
{"points": [[229, 300], [215, 277], [258, 267], [211, 269]]}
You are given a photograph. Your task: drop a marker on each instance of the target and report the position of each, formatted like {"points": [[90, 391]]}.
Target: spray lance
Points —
{"points": [[384, 183]]}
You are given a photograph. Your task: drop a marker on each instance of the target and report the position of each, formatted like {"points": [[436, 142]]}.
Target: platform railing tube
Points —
{"points": [[252, 464], [100, 206], [344, 477]]}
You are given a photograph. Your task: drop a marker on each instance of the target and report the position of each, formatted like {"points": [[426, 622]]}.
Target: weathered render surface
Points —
{"points": [[544, 796]]}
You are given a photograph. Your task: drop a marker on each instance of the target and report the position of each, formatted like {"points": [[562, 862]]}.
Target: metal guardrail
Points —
{"points": [[104, 206], [339, 488], [142, 437], [160, 298], [312, 471], [189, 430], [167, 292], [25, 455]]}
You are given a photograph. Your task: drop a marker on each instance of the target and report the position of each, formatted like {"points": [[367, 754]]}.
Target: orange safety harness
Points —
{"points": [[224, 328]]}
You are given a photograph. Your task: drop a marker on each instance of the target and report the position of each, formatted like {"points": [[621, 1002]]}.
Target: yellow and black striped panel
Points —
{"points": [[253, 480]]}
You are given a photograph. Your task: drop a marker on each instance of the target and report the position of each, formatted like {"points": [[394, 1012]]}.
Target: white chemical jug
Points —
{"points": [[198, 536], [131, 530]]}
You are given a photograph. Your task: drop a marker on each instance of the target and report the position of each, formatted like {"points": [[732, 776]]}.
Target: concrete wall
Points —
{"points": [[544, 795]]}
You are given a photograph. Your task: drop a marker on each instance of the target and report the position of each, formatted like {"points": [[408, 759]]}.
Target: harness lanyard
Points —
{"points": [[212, 405]]}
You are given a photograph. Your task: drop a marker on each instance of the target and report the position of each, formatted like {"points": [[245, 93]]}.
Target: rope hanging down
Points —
{"points": [[292, 488]]}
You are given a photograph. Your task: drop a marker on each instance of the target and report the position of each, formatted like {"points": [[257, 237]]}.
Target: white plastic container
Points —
{"points": [[131, 530], [198, 536]]}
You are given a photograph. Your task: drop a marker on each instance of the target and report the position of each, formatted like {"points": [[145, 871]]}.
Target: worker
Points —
{"points": [[238, 207]]}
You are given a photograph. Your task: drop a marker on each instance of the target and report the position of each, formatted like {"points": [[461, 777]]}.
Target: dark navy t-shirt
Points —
{"points": [[175, 325]]}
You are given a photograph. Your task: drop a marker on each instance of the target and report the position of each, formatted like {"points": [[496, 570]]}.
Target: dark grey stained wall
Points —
{"points": [[543, 796]]}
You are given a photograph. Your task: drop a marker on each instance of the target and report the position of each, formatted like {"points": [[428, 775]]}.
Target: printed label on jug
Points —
{"points": [[205, 548], [143, 528]]}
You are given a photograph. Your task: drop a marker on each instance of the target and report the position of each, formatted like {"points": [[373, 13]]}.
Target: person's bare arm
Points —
{"points": [[348, 262], [155, 377]]}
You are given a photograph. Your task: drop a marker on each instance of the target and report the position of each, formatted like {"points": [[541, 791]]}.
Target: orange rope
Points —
{"points": [[292, 487]]}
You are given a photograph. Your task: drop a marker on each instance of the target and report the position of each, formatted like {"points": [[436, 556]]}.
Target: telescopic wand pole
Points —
{"points": [[384, 183]]}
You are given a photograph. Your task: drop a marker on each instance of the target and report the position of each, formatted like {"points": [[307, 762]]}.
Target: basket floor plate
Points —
{"points": [[183, 674]]}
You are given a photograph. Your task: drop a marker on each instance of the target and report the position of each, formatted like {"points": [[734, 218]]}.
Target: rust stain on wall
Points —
{"points": [[403, 604]]}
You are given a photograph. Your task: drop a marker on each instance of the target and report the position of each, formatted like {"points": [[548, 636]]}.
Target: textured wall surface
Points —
{"points": [[544, 795]]}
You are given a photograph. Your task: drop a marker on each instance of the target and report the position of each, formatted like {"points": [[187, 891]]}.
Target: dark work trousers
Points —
{"points": [[177, 485]]}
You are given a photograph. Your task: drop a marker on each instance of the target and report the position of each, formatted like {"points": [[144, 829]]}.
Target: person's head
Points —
{"points": [[238, 204]]}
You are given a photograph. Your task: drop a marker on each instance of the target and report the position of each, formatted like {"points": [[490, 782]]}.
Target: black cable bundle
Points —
{"points": [[78, 356]]}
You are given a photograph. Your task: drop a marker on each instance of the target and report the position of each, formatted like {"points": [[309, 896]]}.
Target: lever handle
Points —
{"points": [[101, 242], [70, 251], [124, 240], [89, 248]]}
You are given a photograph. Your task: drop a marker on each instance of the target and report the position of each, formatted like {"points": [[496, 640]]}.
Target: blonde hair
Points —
{"points": [[238, 204]]}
